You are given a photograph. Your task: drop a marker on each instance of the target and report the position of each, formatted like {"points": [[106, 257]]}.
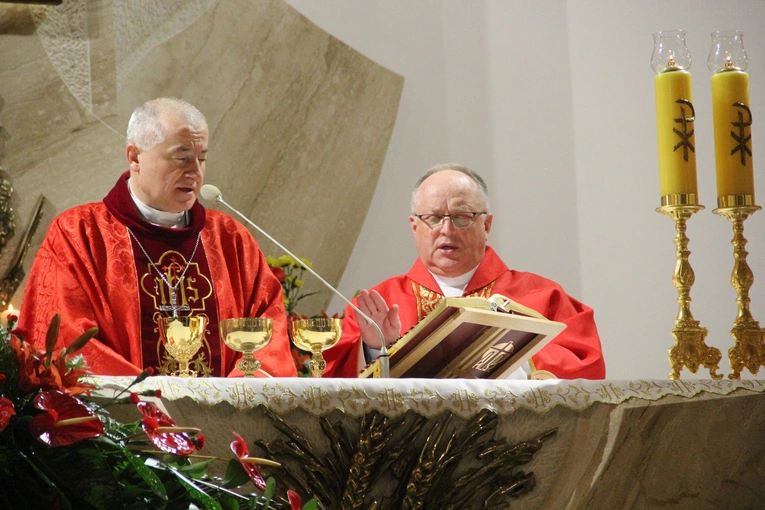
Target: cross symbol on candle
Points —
{"points": [[742, 138], [685, 136]]}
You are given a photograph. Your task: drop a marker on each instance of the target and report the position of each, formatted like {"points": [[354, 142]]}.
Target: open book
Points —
{"points": [[469, 337]]}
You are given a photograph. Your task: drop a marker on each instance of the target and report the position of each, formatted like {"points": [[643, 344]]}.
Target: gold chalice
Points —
{"points": [[247, 335], [316, 335], [182, 337]]}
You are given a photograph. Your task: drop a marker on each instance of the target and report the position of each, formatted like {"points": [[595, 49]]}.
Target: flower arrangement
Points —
{"points": [[61, 448], [290, 273]]}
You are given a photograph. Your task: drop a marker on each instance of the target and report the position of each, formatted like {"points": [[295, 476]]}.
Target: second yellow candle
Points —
{"points": [[733, 135]]}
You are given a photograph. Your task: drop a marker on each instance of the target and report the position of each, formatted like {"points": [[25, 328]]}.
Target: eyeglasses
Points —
{"points": [[459, 220]]}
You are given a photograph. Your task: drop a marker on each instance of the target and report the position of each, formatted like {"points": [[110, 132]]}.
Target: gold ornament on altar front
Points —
{"points": [[247, 335], [315, 336], [182, 339]]}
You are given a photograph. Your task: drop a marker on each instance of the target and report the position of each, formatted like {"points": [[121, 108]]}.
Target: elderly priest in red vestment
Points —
{"points": [[150, 250], [451, 222]]}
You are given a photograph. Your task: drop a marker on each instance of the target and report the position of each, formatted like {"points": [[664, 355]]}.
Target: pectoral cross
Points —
{"points": [[174, 307]]}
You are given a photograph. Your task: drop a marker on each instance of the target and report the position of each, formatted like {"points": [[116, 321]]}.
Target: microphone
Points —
{"points": [[213, 194]]}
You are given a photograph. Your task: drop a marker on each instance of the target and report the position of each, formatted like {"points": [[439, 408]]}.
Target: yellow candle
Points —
{"points": [[675, 129], [733, 135]]}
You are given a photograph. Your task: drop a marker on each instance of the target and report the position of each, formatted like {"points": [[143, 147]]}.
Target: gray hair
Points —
{"points": [[457, 168], [146, 127]]}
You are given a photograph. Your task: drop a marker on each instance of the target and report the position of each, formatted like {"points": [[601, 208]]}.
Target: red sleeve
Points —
{"points": [[576, 352], [63, 280]]}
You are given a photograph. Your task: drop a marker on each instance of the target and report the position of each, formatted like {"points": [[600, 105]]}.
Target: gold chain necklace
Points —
{"points": [[174, 307]]}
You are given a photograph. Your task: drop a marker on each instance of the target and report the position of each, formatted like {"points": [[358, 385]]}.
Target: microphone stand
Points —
{"points": [[383, 358]]}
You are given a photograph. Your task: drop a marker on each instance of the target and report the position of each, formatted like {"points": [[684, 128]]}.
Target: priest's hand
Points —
{"points": [[374, 306]]}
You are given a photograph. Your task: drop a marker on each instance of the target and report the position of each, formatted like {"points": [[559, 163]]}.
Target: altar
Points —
{"points": [[549, 444]]}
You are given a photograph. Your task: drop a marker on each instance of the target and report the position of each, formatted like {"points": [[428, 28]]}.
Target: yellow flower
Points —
{"points": [[284, 260]]}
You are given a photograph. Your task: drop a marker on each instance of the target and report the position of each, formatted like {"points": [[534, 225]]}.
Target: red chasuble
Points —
{"points": [[93, 272], [575, 353]]}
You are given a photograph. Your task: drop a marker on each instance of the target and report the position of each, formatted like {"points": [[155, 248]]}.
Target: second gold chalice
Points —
{"points": [[247, 335], [182, 337], [316, 335]]}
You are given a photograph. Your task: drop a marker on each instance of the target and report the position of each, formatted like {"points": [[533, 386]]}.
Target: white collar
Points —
{"points": [[157, 217], [455, 286]]}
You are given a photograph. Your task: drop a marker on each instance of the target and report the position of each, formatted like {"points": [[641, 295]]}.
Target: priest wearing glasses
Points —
{"points": [[450, 219], [150, 250]]}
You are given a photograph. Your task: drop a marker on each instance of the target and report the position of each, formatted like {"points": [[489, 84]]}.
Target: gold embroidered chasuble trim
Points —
{"points": [[194, 289], [428, 299]]}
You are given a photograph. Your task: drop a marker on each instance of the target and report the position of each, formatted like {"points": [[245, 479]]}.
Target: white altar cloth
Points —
{"points": [[426, 397]]}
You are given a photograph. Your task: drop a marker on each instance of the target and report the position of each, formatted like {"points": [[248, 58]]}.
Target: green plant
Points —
{"points": [[61, 448]]}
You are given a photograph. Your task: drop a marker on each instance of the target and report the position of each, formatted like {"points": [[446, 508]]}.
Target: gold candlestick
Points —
{"points": [[689, 351], [748, 349]]}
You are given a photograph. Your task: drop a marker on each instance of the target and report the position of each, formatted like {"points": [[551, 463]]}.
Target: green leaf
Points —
{"points": [[228, 502], [235, 475], [117, 431], [63, 500], [82, 471], [311, 505], [176, 461], [270, 488], [196, 493], [196, 470], [148, 476]]}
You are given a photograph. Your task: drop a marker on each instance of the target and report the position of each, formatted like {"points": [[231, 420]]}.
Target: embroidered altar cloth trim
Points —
{"points": [[426, 397]]}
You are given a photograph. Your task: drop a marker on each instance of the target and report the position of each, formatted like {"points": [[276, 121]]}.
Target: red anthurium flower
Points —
{"points": [[164, 432], [295, 500], [66, 420], [239, 447], [6, 411], [2, 378]]}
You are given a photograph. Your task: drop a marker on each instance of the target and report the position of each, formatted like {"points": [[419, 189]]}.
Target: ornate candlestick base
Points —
{"points": [[748, 349], [689, 351]]}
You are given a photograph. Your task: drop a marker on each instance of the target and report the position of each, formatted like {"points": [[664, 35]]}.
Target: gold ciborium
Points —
{"points": [[247, 335], [182, 337], [316, 335]]}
